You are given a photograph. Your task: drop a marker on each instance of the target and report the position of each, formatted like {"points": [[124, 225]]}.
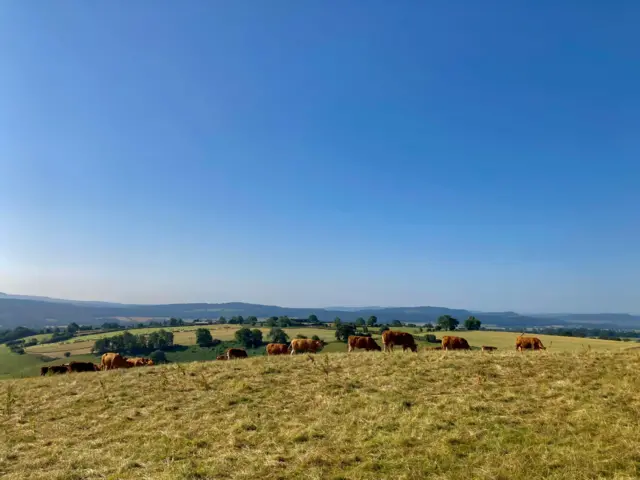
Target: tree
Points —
{"points": [[222, 320], [383, 328], [372, 320], [447, 322], [173, 322], [284, 321], [472, 323], [251, 320], [344, 330], [359, 322], [337, 322], [396, 323], [158, 357], [257, 337], [203, 337], [429, 327], [313, 318], [277, 335], [271, 322], [315, 337], [249, 338], [73, 328], [67, 354]]}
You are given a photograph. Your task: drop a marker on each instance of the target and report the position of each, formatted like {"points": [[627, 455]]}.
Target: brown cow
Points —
{"points": [[391, 338], [221, 357], [277, 349], [487, 348], [533, 343], [83, 367], [111, 361], [303, 345], [236, 353], [450, 342], [139, 362], [366, 343]]}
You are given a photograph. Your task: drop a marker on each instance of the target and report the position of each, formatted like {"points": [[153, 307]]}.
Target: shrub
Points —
{"points": [[315, 337], [344, 330], [67, 354], [158, 357], [203, 337], [277, 335], [301, 336]]}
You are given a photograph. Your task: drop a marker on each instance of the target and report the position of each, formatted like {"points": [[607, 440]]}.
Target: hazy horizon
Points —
{"points": [[472, 155]]}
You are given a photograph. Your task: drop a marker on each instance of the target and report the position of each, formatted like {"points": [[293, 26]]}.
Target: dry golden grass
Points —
{"points": [[442, 415]]}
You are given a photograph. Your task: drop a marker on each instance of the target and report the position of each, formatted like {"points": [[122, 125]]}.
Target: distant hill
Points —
{"points": [[36, 312]]}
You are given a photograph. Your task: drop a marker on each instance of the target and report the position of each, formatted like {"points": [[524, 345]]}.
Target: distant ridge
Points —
{"points": [[37, 312]]}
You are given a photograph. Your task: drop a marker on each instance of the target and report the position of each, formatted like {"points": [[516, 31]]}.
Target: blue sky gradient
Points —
{"points": [[483, 155]]}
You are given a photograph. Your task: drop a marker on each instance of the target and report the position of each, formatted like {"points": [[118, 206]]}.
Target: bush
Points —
{"points": [[301, 336], [383, 328], [158, 357], [249, 338], [315, 337], [343, 331], [203, 337], [432, 338], [277, 335], [67, 354]]}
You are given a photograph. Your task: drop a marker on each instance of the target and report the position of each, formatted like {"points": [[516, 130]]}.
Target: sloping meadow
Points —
{"points": [[444, 415]]}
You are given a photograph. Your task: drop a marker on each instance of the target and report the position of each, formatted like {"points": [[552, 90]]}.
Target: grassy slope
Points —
{"points": [[363, 416]]}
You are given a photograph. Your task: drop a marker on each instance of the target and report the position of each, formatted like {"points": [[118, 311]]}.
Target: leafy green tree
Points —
{"points": [[396, 323], [447, 322], [277, 335], [428, 327], [173, 322], [344, 330], [472, 323], [284, 321], [251, 320], [271, 322], [337, 322], [244, 337], [257, 337], [372, 320], [313, 318], [203, 337], [158, 356], [383, 328], [315, 337], [360, 322], [222, 320], [73, 328]]}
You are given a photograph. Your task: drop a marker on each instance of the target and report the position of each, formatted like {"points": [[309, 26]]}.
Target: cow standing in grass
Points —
{"points": [[366, 343], [449, 342], [277, 349], [236, 353], [304, 345], [403, 339], [83, 367], [111, 361], [528, 343]]}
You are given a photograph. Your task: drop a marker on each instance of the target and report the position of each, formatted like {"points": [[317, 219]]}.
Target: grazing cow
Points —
{"points": [[54, 369], [303, 345], [139, 362], [111, 361], [236, 353], [533, 343], [487, 348], [391, 338], [83, 367], [221, 357], [277, 349], [454, 343], [366, 343]]}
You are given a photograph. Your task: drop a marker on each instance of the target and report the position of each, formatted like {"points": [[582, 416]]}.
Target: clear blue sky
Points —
{"points": [[465, 154]]}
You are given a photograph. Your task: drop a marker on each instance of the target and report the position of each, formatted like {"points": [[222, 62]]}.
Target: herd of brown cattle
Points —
{"points": [[111, 361]]}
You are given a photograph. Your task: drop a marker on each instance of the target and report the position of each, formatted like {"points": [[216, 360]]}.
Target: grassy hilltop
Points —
{"points": [[445, 415]]}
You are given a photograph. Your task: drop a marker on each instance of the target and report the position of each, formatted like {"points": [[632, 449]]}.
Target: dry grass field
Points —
{"points": [[441, 415]]}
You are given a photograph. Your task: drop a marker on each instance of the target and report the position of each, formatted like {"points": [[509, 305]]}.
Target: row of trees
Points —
{"points": [[131, 344]]}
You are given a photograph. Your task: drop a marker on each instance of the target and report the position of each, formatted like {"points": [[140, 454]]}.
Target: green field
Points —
{"points": [[454, 415]]}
